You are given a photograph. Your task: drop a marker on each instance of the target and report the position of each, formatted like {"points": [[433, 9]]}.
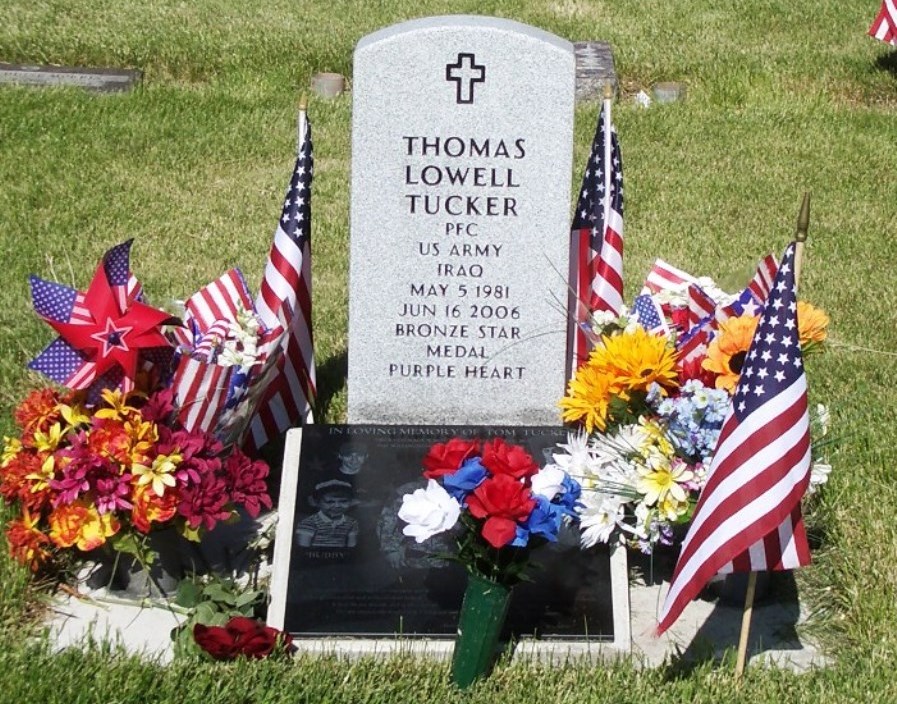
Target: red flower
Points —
{"points": [[37, 411], [240, 636], [446, 458], [502, 501], [692, 369], [501, 458], [27, 543], [247, 479]]}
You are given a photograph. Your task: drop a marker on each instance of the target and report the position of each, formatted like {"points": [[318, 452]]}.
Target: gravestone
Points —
{"points": [[462, 139], [594, 70]]}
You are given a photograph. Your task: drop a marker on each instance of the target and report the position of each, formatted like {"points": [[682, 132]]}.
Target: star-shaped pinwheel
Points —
{"points": [[104, 333]]}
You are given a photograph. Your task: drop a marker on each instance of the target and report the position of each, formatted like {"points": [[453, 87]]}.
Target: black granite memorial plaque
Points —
{"points": [[353, 573]]}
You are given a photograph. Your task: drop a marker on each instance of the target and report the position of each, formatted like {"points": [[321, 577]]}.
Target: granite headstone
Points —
{"points": [[462, 139]]}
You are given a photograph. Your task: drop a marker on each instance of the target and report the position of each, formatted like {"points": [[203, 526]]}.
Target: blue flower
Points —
{"points": [[569, 498], [467, 478], [545, 520]]}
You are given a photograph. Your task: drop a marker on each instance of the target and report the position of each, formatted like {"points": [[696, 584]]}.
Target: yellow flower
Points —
{"points": [[663, 483], [659, 441], [812, 323], [160, 474], [144, 435], [11, 448], [48, 441], [636, 360], [587, 397], [42, 479], [726, 353], [118, 405], [74, 415]]}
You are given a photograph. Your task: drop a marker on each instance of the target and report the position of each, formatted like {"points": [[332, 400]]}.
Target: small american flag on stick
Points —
{"points": [[596, 242], [885, 25], [748, 517], [284, 301]]}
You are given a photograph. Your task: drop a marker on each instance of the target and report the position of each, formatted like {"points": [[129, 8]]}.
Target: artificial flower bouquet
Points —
{"points": [[649, 402], [503, 503], [146, 434]]}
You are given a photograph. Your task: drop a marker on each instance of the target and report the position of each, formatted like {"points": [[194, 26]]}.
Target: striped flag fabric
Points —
{"points": [[885, 25], [596, 239], [664, 276], [748, 516], [763, 278], [700, 305], [219, 300], [284, 301]]}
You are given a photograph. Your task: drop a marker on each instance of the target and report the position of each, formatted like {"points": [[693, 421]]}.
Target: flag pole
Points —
{"points": [[803, 224]]}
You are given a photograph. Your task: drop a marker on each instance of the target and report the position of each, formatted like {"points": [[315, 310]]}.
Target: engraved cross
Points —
{"points": [[465, 72]]}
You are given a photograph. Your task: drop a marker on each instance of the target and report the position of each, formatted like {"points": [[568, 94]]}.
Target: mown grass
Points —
{"points": [[782, 97]]}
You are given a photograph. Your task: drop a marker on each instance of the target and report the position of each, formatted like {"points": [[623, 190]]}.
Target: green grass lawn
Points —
{"points": [[783, 97]]}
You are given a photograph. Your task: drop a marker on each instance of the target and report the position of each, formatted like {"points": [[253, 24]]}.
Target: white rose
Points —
{"points": [[428, 511]]}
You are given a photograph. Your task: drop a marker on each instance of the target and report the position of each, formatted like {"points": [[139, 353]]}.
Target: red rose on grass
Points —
{"points": [[502, 501], [446, 458], [240, 636], [501, 458]]}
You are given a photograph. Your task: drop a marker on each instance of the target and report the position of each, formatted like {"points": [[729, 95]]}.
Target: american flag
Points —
{"points": [[665, 276], [220, 300], [763, 278], [284, 301], [700, 305], [596, 242], [649, 315], [885, 25], [748, 517]]}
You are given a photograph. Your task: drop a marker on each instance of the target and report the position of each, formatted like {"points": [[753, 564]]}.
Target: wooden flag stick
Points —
{"points": [[803, 224], [745, 625]]}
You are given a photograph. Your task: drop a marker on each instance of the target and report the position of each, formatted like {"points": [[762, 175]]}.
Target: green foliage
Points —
{"points": [[211, 601], [783, 97]]}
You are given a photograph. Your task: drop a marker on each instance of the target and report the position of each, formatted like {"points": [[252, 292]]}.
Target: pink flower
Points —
{"points": [[204, 504]]}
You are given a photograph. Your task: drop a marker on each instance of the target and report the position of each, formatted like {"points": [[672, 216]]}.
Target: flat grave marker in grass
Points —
{"points": [[594, 69], [462, 142], [354, 582], [101, 80]]}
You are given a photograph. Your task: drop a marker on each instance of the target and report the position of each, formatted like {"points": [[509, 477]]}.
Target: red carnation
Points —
{"points": [[692, 369], [502, 501], [446, 458], [501, 458], [240, 636]]}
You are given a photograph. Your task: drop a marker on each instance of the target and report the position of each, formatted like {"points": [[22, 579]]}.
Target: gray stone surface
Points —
{"points": [[103, 80], [594, 69], [457, 290]]}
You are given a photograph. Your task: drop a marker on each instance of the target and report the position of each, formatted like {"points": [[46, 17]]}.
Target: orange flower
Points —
{"points": [[80, 524], [726, 353], [812, 324], [150, 508], [38, 411], [588, 396], [110, 438], [24, 478], [28, 544]]}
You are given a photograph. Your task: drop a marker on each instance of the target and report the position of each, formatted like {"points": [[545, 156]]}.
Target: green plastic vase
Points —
{"points": [[482, 616]]}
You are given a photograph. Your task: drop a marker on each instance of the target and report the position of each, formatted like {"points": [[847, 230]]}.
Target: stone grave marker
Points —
{"points": [[462, 139], [346, 578], [101, 80]]}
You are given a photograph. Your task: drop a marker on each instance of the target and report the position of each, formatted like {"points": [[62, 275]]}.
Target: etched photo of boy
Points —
{"points": [[331, 527]]}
